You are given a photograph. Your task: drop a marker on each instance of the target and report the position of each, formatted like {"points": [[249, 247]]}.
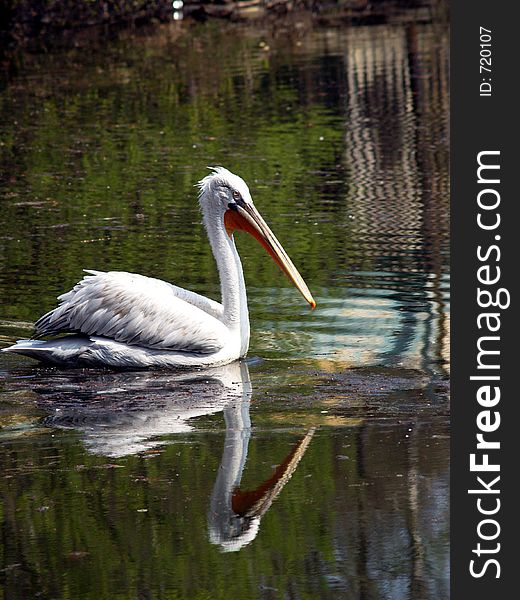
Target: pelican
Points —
{"points": [[125, 320]]}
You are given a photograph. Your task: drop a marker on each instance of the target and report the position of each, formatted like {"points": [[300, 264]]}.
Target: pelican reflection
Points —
{"points": [[121, 414]]}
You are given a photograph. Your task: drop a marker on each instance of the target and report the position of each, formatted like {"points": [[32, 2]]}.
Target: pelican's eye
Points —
{"points": [[236, 196]]}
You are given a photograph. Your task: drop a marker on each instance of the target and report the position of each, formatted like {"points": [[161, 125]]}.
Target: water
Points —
{"points": [[336, 431]]}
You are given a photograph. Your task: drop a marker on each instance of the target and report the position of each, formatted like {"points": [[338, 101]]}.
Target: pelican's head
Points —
{"points": [[225, 197]]}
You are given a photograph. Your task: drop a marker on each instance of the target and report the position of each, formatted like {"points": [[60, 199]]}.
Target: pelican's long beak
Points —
{"points": [[245, 217]]}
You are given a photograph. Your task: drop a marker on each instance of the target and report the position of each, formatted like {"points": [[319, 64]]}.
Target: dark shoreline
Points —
{"points": [[45, 25]]}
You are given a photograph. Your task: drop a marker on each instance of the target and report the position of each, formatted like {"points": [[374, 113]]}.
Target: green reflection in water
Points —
{"points": [[343, 141], [360, 509], [342, 135]]}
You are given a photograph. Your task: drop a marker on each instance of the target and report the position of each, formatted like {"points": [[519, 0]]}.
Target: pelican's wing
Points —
{"points": [[136, 310], [215, 309]]}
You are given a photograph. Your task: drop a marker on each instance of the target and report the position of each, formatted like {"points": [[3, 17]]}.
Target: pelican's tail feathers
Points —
{"points": [[62, 351]]}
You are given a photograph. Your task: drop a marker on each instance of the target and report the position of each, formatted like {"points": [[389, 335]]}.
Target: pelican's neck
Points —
{"points": [[232, 285]]}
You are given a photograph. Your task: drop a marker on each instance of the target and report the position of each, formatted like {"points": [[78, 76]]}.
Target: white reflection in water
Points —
{"points": [[121, 414]]}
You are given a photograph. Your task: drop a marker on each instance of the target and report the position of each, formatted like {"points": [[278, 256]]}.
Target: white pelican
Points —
{"points": [[126, 320]]}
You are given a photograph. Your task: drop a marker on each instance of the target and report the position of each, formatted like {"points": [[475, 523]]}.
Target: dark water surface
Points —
{"points": [[320, 468]]}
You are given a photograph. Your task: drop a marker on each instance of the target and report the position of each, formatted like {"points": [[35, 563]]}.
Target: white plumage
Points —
{"points": [[137, 310], [127, 320]]}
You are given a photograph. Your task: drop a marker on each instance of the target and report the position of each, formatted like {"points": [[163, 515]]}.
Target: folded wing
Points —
{"points": [[136, 310]]}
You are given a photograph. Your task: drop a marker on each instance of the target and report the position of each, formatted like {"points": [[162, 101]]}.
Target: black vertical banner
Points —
{"points": [[485, 326]]}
